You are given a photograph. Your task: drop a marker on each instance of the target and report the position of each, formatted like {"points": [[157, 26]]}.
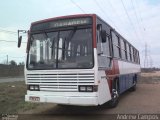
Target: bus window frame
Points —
{"points": [[62, 29]]}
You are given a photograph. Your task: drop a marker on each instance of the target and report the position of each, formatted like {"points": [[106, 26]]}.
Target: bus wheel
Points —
{"points": [[115, 95]]}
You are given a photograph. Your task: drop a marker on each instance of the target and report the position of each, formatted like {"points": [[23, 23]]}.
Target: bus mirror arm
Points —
{"points": [[19, 41], [100, 53], [20, 37], [103, 36]]}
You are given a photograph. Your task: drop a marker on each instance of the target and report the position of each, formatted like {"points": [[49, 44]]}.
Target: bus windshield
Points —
{"points": [[61, 49]]}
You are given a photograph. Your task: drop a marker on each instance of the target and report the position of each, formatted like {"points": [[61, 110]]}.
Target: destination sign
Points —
{"points": [[61, 23]]}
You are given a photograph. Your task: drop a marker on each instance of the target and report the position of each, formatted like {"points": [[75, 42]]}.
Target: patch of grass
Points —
{"points": [[149, 80], [12, 95], [24, 106]]}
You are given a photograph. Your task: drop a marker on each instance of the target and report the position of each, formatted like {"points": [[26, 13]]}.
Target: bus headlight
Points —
{"points": [[33, 87], [82, 88], [36, 87], [88, 88]]}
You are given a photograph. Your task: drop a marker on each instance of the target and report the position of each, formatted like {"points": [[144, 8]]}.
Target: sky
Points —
{"points": [[136, 20]]}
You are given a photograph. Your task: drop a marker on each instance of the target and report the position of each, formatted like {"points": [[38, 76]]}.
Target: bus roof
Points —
{"points": [[79, 15]]}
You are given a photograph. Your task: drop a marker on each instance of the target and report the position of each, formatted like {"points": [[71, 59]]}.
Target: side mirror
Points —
{"points": [[20, 37], [19, 41], [103, 35]]}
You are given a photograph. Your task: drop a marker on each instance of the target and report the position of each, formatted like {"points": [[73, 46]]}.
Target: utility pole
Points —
{"points": [[7, 59], [146, 56], [148, 62]]}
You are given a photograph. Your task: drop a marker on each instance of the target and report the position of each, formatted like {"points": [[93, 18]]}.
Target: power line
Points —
{"points": [[129, 18], [78, 6], [3, 57], [104, 13], [114, 9], [10, 41], [140, 15], [137, 19], [8, 31], [109, 3], [127, 14], [16, 57], [136, 16], [135, 13]]}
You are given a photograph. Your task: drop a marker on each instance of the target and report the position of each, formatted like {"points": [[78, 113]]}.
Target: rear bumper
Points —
{"points": [[69, 100]]}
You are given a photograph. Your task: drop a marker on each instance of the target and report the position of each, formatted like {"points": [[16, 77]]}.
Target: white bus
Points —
{"points": [[78, 60]]}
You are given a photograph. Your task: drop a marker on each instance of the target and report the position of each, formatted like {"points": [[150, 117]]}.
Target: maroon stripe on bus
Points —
{"points": [[112, 73], [94, 31]]}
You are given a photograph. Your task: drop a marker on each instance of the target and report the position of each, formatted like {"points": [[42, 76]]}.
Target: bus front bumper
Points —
{"points": [[68, 100]]}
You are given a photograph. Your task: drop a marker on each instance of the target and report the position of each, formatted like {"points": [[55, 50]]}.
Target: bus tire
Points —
{"points": [[115, 95], [133, 88]]}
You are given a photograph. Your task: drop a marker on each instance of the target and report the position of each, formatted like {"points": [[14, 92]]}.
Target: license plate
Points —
{"points": [[35, 99]]}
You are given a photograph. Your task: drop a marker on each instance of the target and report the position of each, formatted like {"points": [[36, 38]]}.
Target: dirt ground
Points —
{"points": [[145, 100], [151, 74]]}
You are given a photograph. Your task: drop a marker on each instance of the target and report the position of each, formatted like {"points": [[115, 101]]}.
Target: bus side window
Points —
{"points": [[99, 44], [128, 52], [107, 49], [104, 53], [116, 45]]}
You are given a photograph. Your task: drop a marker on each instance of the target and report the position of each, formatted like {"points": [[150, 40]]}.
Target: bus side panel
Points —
{"points": [[125, 82], [127, 74], [122, 83], [103, 88], [130, 81]]}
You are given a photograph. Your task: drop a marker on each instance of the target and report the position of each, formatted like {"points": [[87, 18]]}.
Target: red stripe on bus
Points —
{"points": [[94, 31], [112, 73], [114, 69]]}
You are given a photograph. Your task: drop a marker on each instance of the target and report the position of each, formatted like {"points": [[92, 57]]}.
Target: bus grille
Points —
{"points": [[60, 82]]}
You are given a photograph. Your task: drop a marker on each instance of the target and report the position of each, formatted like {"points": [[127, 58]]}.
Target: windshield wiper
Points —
{"points": [[46, 34], [31, 40], [52, 45], [71, 34]]}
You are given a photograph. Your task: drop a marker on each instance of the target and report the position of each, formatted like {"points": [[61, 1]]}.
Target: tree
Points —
{"points": [[21, 63], [12, 62]]}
